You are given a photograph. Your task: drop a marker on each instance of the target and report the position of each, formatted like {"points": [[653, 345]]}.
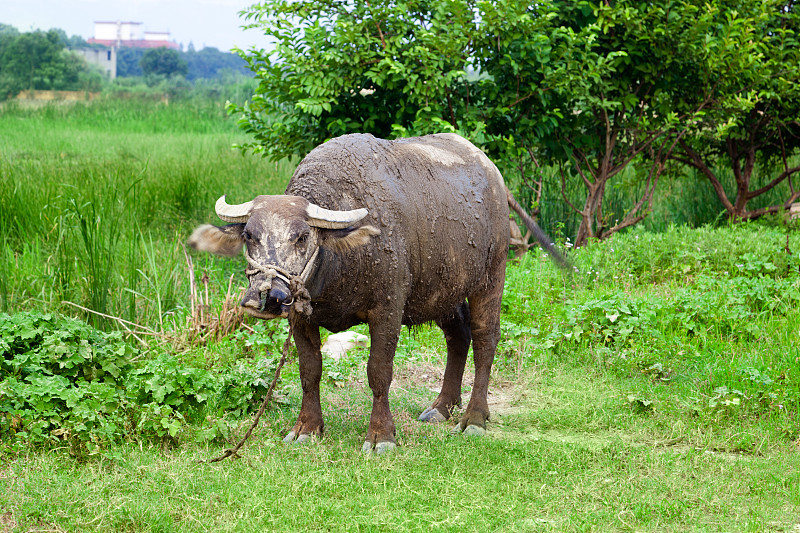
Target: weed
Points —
{"points": [[64, 381]]}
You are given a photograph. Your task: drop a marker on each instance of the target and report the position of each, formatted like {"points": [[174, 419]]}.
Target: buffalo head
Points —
{"points": [[282, 235]]}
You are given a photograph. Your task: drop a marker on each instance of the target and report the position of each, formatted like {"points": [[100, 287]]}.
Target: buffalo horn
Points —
{"points": [[329, 219], [233, 213]]}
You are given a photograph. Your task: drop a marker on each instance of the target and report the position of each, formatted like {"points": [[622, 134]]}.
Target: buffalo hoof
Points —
{"points": [[379, 449], [470, 431], [294, 438], [432, 415]]}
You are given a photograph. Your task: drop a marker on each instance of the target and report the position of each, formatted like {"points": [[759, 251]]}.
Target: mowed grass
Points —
{"points": [[579, 474], [654, 389]]}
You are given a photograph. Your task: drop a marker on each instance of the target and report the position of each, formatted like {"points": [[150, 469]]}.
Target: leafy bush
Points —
{"points": [[36, 343], [680, 254], [733, 305], [708, 312], [727, 306], [64, 381], [611, 318]]}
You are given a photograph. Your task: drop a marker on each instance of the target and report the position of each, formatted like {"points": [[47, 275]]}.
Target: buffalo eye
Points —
{"points": [[302, 238], [247, 236]]}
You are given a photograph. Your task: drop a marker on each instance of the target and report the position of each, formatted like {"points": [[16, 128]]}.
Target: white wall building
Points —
{"points": [[116, 34], [118, 31], [105, 58]]}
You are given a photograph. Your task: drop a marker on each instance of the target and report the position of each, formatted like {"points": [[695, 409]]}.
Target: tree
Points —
{"points": [[163, 62], [37, 60], [210, 63], [6, 30], [9, 86], [128, 62], [76, 41], [590, 88], [384, 67], [757, 128], [593, 88]]}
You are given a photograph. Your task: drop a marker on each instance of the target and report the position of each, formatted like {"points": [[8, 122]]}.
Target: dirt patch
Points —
{"points": [[423, 380], [502, 398], [7, 522]]}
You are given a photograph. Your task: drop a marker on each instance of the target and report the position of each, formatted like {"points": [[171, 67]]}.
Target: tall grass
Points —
{"points": [[92, 193], [98, 199]]}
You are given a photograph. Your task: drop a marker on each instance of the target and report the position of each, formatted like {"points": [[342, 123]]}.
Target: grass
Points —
{"points": [[88, 193], [556, 465], [656, 389]]}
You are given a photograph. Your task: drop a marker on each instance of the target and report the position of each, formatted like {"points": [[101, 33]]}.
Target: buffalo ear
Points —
{"points": [[342, 240], [225, 240]]}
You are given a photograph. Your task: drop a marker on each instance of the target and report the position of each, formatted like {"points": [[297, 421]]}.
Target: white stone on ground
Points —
{"points": [[339, 344]]}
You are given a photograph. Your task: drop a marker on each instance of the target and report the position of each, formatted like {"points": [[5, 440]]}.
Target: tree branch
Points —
{"points": [[757, 213], [697, 162], [380, 32], [782, 176]]}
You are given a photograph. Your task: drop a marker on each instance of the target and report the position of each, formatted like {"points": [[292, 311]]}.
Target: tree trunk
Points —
{"points": [[592, 213], [742, 174], [737, 209]]}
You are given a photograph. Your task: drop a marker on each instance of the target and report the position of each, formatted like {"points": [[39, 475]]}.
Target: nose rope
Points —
{"points": [[301, 299]]}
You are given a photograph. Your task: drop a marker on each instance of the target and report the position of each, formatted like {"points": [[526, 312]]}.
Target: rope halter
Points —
{"points": [[301, 298]]}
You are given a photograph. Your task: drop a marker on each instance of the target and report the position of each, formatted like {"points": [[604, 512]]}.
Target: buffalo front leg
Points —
{"points": [[457, 335], [309, 422], [384, 335]]}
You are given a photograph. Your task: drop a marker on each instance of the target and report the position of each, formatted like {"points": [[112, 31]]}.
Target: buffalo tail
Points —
{"points": [[537, 232]]}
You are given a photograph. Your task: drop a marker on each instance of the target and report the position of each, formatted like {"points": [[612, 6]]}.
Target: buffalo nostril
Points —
{"points": [[278, 295]]}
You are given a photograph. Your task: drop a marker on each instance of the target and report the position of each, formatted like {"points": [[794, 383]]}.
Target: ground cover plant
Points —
{"points": [[654, 389]]}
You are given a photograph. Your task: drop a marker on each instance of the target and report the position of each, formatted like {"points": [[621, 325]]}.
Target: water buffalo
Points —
{"points": [[385, 233]]}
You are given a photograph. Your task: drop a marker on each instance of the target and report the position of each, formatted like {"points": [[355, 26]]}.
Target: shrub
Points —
{"points": [[62, 380], [66, 382]]}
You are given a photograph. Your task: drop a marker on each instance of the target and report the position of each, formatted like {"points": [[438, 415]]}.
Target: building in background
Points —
{"points": [[116, 34], [105, 58]]}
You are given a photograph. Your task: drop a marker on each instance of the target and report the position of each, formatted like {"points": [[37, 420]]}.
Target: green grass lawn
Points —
{"points": [[657, 388], [567, 454]]}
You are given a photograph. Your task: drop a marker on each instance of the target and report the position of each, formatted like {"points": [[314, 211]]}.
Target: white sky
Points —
{"points": [[203, 22]]}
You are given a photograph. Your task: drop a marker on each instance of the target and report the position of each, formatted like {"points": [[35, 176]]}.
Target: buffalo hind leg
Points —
{"points": [[485, 324], [457, 335], [384, 335], [309, 422]]}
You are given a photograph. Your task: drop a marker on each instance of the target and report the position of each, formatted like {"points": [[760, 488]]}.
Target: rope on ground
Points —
{"points": [[267, 397]]}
